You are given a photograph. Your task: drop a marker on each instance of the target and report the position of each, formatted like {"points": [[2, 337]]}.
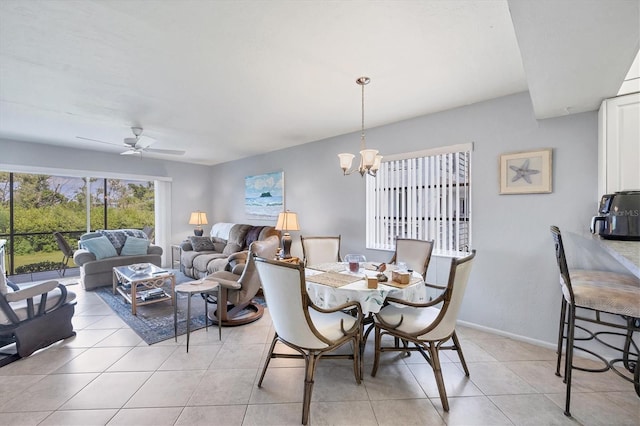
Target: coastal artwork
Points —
{"points": [[526, 172], [263, 195]]}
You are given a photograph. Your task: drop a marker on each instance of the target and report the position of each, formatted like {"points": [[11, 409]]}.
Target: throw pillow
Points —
{"points": [[252, 235], [101, 247], [134, 247], [201, 243]]}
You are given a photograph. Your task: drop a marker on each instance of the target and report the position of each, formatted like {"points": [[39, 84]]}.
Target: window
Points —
{"points": [[424, 195], [34, 205]]}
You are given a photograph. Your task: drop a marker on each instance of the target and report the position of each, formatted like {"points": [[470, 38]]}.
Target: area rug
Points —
{"points": [[154, 323]]}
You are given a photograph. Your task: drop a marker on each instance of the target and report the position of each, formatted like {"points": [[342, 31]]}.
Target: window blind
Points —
{"points": [[424, 195]]}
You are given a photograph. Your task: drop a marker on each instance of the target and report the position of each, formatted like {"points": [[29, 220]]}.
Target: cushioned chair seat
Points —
{"points": [[413, 320], [605, 291], [329, 324]]}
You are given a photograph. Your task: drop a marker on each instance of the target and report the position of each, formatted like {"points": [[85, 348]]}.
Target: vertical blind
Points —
{"points": [[424, 195]]}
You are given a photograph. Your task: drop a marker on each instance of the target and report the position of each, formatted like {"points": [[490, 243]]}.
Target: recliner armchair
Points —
{"points": [[33, 316], [239, 284]]}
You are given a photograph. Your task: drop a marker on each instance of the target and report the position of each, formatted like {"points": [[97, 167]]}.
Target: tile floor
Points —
{"points": [[108, 375]]}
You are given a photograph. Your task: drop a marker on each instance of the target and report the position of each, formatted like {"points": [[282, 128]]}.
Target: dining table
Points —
{"points": [[333, 284]]}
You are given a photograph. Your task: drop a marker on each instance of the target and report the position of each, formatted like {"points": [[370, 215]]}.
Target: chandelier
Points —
{"points": [[369, 158]]}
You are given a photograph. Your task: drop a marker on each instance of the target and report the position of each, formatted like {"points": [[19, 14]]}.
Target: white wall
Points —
{"points": [[514, 283]]}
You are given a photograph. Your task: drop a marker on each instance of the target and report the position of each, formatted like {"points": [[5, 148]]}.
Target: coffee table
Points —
{"points": [[143, 286]]}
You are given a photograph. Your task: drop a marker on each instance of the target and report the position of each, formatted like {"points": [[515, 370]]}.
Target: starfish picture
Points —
{"points": [[523, 172]]}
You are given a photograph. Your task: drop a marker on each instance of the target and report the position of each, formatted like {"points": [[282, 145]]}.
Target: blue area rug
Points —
{"points": [[154, 323]]}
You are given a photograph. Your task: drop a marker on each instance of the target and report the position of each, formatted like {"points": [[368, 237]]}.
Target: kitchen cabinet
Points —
{"points": [[619, 144]]}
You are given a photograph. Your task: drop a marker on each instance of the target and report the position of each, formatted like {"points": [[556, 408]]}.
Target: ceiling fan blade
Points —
{"points": [[144, 142], [97, 140], [165, 151], [130, 152]]}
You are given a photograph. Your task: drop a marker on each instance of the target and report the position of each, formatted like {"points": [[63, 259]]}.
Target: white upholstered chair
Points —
{"points": [[316, 250], [304, 327], [426, 326], [415, 253]]}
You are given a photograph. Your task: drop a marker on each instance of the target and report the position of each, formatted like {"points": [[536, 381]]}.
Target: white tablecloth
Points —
{"points": [[371, 300]]}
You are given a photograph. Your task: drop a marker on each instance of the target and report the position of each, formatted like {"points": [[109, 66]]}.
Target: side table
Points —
{"points": [[190, 288]]}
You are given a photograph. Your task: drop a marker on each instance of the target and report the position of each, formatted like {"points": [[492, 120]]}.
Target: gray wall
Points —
{"points": [[514, 283]]}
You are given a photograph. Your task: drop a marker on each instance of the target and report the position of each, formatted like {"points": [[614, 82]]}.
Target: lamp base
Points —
{"points": [[198, 232], [286, 246]]}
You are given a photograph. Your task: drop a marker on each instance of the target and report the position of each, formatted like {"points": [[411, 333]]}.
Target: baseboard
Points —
{"points": [[513, 336]]}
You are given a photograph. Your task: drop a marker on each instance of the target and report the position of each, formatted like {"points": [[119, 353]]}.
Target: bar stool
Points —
{"points": [[190, 288], [596, 292]]}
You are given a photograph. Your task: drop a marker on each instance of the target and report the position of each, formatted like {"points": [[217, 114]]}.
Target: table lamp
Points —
{"points": [[198, 218], [287, 221]]}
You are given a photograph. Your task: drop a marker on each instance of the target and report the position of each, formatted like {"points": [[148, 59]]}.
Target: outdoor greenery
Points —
{"points": [[43, 204]]}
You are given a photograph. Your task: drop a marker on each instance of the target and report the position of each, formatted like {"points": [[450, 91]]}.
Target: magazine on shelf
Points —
{"points": [[151, 294]]}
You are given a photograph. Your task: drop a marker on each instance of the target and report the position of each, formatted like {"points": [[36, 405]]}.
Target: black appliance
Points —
{"points": [[619, 216]]}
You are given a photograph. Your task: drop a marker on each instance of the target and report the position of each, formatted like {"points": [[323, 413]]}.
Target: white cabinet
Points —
{"points": [[619, 144]]}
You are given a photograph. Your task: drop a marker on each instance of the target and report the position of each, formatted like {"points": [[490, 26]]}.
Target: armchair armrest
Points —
{"points": [[233, 285], [237, 261], [31, 291], [437, 300], [82, 256]]}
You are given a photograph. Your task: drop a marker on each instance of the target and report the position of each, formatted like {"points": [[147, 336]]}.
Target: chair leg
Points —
{"points": [[376, 356], [268, 360], [456, 342], [437, 371], [568, 369], [563, 314], [311, 361]]}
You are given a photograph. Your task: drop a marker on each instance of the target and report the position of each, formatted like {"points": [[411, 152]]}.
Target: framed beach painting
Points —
{"points": [[526, 172], [264, 195]]}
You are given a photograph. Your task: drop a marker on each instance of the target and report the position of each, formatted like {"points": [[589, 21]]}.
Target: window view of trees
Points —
{"points": [[43, 204]]}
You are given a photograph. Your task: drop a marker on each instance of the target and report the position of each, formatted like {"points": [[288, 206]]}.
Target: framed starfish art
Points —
{"points": [[526, 172]]}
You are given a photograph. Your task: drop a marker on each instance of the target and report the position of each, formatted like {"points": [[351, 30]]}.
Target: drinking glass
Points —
{"points": [[354, 261]]}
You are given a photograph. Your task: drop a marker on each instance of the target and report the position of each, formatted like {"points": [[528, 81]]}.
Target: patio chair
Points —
{"points": [[303, 326], [67, 252], [316, 250], [33, 317], [426, 326]]}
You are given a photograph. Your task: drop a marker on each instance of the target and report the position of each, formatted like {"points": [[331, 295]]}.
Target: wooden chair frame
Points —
{"points": [[429, 349], [312, 356]]}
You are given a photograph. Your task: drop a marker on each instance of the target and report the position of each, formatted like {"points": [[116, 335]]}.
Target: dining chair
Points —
{"points": [[317, 250], [426, 326], [416, 254], [67, 252], [299, 324], [596, 292]]}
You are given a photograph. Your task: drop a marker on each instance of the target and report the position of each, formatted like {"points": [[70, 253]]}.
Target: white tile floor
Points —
{"points": [[108, 375]]}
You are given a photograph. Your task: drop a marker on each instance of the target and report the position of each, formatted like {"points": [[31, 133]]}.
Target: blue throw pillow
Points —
{"points": [[101, 247], [134, 247]]}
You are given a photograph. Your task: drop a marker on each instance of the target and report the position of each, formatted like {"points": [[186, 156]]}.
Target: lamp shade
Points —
{"points": [[198, 218], [287, 221]]}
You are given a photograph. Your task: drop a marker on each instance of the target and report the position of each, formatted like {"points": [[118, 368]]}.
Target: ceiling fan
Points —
{"points": [[138, 144]]}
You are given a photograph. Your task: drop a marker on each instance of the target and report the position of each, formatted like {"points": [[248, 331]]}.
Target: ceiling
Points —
{"points": [[224, 80]]}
